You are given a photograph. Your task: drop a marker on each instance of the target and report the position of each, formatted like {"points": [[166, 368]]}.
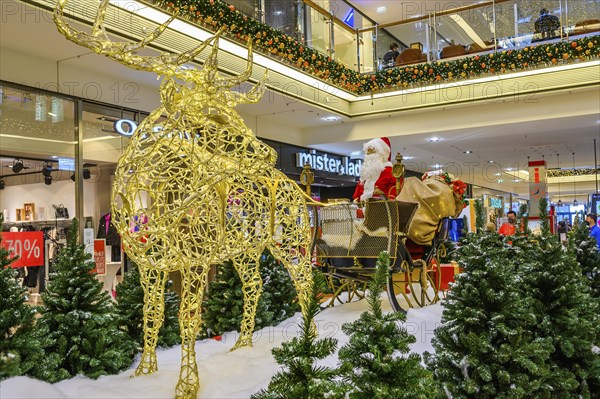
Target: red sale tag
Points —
{"points": [[27, 245], [100, 256]]}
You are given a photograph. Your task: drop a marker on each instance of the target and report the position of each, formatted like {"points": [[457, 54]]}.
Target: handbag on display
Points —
{"points": [[60, 212]]}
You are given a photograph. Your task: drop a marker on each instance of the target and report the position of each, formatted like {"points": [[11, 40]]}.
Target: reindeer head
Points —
{"points": [[193, 89]]}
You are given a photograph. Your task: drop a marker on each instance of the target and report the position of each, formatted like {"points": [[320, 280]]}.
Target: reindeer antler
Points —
{"points": [[165, 64]]}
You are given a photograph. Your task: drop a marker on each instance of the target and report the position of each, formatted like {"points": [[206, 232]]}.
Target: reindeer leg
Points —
{"points": [[300, 269], [192, 286], [252, 288], [153, 283]]}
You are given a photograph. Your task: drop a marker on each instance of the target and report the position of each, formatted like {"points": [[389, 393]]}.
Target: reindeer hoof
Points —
{"points": [[142, 369], [186, 391], [242, 342]]}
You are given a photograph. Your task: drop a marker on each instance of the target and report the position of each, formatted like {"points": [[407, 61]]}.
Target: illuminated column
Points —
{"points": [[537, 186]]}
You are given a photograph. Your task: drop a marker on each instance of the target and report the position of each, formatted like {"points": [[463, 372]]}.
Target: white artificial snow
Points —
{"points": [[223, 374]]}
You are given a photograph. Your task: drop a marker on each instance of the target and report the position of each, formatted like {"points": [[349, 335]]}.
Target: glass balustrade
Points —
{"points": [[335, 29], [345, 46], [581, 17], [366, 51], [317, 31]]}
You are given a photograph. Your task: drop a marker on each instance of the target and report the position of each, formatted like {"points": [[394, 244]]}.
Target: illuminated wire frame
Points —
{"points": [[196, 189]]}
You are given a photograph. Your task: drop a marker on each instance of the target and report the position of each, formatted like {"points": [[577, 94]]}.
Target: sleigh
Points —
{"points": [[346, 247]]}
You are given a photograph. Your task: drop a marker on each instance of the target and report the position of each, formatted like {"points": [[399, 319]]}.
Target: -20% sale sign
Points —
{"points": [[27, 245]]}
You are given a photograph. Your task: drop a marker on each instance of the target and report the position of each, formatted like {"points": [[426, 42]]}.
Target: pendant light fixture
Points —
{"points": [[574, 183], [559, 202]]}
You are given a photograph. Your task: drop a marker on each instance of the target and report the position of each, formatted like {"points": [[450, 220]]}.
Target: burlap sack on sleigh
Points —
{"points": [[436, 201]]}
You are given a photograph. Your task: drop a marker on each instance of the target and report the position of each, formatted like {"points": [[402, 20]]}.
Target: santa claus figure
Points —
{"points": [[376, 179]]}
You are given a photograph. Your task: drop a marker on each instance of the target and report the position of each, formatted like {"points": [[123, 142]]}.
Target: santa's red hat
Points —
{"points": [[381, 145]]}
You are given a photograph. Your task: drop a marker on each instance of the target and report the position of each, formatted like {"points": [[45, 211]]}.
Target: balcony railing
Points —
{"points": [[317, 37]]}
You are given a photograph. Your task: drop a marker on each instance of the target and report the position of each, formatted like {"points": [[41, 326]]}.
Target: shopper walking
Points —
{"points": [[592, 221]]}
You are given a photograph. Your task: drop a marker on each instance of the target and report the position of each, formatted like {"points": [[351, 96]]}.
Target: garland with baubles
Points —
{"points": [[216, 14], [571, 172]]}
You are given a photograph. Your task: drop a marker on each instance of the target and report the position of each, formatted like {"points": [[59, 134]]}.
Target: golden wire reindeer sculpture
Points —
{"points": [[195, 187]]}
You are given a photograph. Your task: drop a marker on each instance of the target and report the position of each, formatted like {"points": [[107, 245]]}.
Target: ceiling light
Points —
{"points": [[434, 139], [468, 152], [437, 165], [500, 181], [331, 118], [517, 181], [47, 169], [48, 180], [498, 174], [381, 10], [407, 157], [51, 114], [490, 161], [278, 12], [508, 169], [17, 166], [356, 155]]}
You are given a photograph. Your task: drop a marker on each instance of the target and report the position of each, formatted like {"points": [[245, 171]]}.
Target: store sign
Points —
{"points": [[495, 202], [537, 185], [28, 246], [329, 163], [125, 127], [100, 256]]}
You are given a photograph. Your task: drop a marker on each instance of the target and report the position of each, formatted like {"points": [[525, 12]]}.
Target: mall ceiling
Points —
{"points": [[507, 144]]}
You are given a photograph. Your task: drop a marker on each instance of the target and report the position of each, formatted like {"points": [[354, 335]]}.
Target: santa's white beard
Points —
{"points": [[370, 170]]}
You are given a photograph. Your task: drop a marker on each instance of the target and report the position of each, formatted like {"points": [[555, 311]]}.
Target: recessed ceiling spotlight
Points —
{"points": [[517, 181], [437, 165], [278, 12], [490, 161], [508, 169], [381, 10], [500, 181], [331, 118], [498, 174], [408, 157], [468, 152], [434, 139]]}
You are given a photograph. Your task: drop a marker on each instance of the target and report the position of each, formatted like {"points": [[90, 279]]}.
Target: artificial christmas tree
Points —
{"points": [[279, 292], [223, 306], [84, 337], [130, 310], [301, 377], [484, 347], [376, 362], [567, 313], [584, 248], [20, 341]]}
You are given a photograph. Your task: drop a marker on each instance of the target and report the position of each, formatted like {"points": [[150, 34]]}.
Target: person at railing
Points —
{"points": [[547, 24], [389, 58], [376, 179]]}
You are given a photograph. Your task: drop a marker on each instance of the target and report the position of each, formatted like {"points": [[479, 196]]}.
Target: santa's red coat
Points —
{"points": [[386, 183]]}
